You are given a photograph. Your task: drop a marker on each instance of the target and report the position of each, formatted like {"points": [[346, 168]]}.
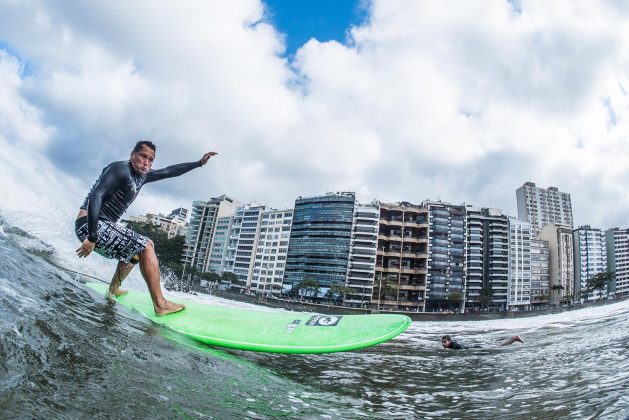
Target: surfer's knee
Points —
{"points": [[149, 249]]}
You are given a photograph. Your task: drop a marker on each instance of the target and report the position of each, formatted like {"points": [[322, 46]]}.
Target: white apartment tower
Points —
{"points": [[618, 259], [590, 259], [243, 240], [271, 251], [205, 214], [361, 269], [520, 273], [540, 206]]}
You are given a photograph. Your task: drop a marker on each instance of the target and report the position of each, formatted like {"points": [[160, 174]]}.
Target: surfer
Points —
{"points": [[97, 225], [449, 343]]}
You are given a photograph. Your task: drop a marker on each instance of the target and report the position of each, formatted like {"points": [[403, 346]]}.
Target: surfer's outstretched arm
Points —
{"points": [[177, 170]]}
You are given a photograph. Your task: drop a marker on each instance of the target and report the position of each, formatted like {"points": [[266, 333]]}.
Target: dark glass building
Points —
{"points": [[320, 240]]}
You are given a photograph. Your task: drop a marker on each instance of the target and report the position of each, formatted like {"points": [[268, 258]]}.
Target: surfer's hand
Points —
{"points": [[207, 157], [85, 249]]}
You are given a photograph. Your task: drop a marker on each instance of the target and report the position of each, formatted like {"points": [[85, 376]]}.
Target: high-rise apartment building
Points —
{"points": [[200, 233], [618, 260], [362, 254], [243, 239], [590, 259], [219, 244], [520, 268], [540, 206], [402, 256], [446, 276], [487, 258], [271, 251], [540, 275], [561, 262], [320, 240]]}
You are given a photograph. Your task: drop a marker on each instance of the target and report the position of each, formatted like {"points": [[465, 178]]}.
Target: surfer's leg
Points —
{"points": [[150, 271], [512, 340], [122, 271]]}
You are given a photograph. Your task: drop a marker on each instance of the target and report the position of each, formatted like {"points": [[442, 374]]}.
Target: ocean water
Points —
{"points": [[66, 352]]}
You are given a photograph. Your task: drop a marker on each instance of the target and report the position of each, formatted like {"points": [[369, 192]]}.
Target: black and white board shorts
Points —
{"points": [[114, 241]]}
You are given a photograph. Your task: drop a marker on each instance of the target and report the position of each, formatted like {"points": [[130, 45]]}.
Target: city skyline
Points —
{"points": [[395, 100]]}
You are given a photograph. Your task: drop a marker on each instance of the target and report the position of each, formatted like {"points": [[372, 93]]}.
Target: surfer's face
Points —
{"points": [[446, 343], [142, 160]]}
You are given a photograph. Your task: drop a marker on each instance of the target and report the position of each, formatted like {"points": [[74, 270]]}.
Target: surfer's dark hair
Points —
{"points": [[147, 143], [446, 337]]}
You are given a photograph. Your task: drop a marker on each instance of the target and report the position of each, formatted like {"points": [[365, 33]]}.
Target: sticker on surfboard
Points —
{"points": [[324, 320]]}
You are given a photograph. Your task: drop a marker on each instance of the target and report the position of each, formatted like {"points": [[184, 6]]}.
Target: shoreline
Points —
{"points": [[325, 309]]}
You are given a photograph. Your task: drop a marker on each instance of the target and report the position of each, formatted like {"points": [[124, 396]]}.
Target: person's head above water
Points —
{"points": [[446, 341], [142, 156]]}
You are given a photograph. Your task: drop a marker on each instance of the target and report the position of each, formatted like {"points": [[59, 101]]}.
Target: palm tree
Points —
{"points": [[556, 288], [600, 281], [310, 287]]}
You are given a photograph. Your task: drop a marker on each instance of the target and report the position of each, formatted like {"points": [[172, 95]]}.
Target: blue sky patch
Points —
{"points": [[325, 20]]}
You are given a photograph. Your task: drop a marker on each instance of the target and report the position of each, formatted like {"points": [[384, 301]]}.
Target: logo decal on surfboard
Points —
{"points": [[291, 327], [324, 320]]}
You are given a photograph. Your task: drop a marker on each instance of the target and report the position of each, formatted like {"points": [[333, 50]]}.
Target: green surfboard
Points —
{"points": [[269, 331]]}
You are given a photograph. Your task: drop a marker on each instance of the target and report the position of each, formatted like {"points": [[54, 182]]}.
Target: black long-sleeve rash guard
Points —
{"points": [[117, 187]]}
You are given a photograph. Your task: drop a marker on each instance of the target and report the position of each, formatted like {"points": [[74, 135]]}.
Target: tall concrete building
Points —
{"points": [[402, 256], [528, 267], [271, 251], [243, 240], [201, 228], [219, 244], [561, 262], [618, 259], [590, 259], [540, 206], [320, 240], [446, 275], [520, 269], [487, 258], [540, 275], [362, 254]]}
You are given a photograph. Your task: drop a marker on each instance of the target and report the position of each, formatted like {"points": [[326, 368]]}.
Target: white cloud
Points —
{"points": [[462, 101]]}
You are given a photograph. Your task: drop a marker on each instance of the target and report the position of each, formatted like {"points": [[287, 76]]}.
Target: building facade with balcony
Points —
{"points": [[201, 229], [219, 244], [540, 275], [446, 268], [271, 251], [243, 240], [487, 259], [402, 257], [560, 262], [361, 268], [617, 243], [590, 259], [320, 240], [520, 267], [540, 206]]}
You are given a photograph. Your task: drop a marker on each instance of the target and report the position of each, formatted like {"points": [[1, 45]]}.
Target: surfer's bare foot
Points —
{"points": [[118, 292], [517, 338], [168, 307]]}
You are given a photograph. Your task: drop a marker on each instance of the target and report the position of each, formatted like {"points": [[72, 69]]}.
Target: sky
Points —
{"points": [[396, 100]]}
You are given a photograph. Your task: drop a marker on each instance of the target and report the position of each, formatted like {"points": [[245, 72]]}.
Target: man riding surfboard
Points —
{"points": [[97, 224]]}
